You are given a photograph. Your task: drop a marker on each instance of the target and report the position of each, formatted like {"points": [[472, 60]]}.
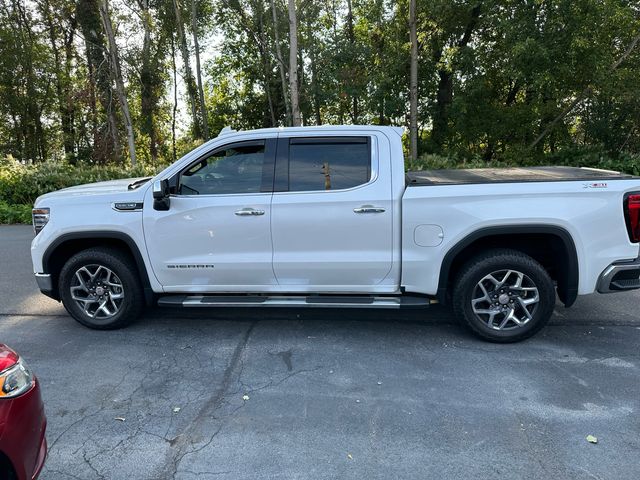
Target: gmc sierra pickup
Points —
{"points": [[327, 217]]}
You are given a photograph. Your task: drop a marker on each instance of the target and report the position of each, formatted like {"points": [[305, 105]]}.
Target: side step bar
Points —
{"points": [[317, 301]]}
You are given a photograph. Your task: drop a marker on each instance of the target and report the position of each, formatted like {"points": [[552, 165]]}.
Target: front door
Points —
{"points": [[216, 234]]}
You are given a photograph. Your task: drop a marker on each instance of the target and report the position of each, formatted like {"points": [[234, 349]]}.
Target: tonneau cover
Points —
{"points": [[511, 175]]}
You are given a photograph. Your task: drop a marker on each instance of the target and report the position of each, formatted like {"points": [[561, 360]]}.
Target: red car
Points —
{"points": [[23, 446]]}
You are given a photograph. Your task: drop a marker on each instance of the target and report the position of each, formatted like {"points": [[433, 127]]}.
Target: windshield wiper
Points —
{"points": [[138, 183]]}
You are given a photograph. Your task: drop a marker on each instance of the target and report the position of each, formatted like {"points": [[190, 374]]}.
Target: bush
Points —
{"points": [[10, 214], [22, 184], [592, 157]]}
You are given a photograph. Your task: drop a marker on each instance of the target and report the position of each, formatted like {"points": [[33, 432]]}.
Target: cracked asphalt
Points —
{"points": [[315, 394]]}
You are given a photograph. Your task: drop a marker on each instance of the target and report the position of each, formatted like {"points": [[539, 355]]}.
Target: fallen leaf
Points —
{"points": [[379, 383], [592, 439], [349, 456], [176, 409], [245, 397], [357, 401], [121, 419]]}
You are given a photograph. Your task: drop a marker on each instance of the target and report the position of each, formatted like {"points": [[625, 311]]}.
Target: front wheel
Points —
{"points": [[100, 288], [503, 296]]}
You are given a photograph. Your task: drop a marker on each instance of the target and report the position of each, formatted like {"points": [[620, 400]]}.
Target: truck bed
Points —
{"points": [[511, 175]]}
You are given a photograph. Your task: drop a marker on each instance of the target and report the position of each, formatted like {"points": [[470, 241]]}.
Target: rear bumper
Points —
{"points": [[620, 277]]}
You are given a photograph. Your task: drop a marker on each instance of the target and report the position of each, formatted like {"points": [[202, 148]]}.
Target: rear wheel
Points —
{"points": [[503, 296], [101, 289]]}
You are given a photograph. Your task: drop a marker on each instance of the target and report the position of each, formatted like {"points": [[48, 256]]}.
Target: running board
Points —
{"points": [[317, 301]]}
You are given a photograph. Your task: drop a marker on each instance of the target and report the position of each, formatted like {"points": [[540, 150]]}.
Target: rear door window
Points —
{"points": [[326, 163]]}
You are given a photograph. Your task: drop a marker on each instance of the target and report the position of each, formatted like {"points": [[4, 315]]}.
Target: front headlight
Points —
{"points": [[16, 380], [40, 217]]}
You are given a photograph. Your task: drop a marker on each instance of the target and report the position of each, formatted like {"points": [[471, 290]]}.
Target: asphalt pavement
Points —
{"points": [[316, 394]]}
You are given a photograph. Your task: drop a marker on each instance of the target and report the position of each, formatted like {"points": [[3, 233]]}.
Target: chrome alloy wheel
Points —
{"points": [[97, 290], [505, 299]]}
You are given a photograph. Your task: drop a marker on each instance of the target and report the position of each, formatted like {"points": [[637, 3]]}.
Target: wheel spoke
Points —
{"points": [[518, 283], [525, 309], [84, 299], [504, 279], [103, 307], [82, 285], [504, 322], [512, 316], [97, 272]]}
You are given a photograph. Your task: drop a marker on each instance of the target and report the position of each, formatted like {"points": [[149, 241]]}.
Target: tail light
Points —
{"points": [[632, 216]]}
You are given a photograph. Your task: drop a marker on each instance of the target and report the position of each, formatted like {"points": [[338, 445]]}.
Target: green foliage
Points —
{"points": [[591, 157], [22, 184], [494, 76], [10, 214]]}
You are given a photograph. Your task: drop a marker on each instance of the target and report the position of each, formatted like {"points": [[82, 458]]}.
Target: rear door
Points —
{"points": [[332, 215]]}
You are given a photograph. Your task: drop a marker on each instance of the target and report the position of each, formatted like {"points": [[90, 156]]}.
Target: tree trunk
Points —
{"points": [[281, 66], [188, 74], [413, 83], [175, 99], [203, 107], [293, 65], [355, 114], [117, 74]]}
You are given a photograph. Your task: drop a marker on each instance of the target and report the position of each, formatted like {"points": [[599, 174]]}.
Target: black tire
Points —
{"points": [[496, 304], [122, 266]]}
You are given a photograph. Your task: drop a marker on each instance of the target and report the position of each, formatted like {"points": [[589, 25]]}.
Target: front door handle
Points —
{"points": [[246, 212], [368, 209]]}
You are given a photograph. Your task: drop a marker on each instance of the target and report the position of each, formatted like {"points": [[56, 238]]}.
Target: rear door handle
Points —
{"points": [[246, 212], [368, 209]]}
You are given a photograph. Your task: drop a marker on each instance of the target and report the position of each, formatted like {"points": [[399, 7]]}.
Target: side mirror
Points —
{"points": [[161, 199]]}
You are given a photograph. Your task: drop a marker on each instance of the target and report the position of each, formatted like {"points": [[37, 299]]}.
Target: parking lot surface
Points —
{"points": [[310, 394]]}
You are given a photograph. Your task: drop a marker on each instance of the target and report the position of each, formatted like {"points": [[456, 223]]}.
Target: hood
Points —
{"points": [[98, 188]]}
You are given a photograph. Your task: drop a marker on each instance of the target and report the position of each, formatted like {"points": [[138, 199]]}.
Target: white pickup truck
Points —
{"points": [[327, 217]]}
